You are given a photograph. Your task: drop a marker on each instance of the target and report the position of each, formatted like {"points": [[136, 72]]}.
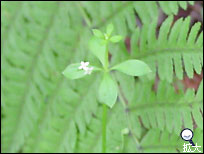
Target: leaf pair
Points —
{"points": [[108, 90], [107, 36]]}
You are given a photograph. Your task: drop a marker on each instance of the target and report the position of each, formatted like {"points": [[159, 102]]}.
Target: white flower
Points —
{"points": [[89, 70], [84, 65]]}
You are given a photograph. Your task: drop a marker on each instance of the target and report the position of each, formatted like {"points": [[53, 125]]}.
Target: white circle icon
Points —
{"points": [[187, 134]]}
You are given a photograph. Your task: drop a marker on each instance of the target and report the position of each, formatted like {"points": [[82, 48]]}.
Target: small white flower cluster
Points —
{"points": [[84, 66]]}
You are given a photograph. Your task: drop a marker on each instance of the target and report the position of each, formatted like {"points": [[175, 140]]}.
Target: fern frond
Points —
{"points": [[9, 14], [166, 109], [65, 118], [44, 112], [156, 108], [32, 70], [61, 110], [173, 7], [172, 50], [20, 76], [152, 140], [122, 13], [155, 141]]}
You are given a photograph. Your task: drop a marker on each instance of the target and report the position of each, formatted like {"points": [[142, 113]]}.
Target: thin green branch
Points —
{"points": [[151, 105], [156, 52], [125, 105], [84, 14], [104, 123], [113, 14]]}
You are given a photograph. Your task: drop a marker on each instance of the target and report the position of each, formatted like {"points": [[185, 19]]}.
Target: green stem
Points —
{"points": [[104, 121], [104, 118], [106, 58]]}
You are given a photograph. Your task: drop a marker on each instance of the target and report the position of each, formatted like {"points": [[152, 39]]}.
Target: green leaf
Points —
{"points": [[72, 72], [116, 38], [108, 91], [133, 67], [98, 33], [98, 49], [109, 29]]}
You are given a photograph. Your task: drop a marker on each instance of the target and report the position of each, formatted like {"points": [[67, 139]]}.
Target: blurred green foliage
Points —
{"points": [[44, 112]]}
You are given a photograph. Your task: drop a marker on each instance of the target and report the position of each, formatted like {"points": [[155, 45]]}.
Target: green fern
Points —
{"points": [[152, 140], [43, 76], [172, 50], [155, 141], [158, 110], [122, 13], [44, 112]]}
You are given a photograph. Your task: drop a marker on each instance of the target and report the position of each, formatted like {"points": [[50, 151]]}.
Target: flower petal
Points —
{"points": [[91, 68], [86, 63], [86, 68]]}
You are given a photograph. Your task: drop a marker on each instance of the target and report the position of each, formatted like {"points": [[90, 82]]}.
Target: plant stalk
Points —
{"points": [[105, 107], [104, 122], [106, 58]]}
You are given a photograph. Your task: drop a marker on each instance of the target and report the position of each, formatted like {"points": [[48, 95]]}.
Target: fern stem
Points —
{"points": [[113, 14], [125, 105], [81, 9], [104, 122]]}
